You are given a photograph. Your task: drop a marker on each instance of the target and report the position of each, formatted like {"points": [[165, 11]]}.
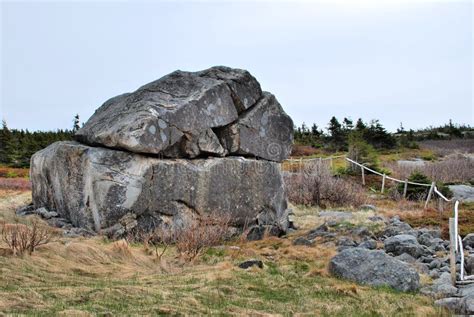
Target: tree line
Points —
{"points": [[17, 146], [339, 133]]}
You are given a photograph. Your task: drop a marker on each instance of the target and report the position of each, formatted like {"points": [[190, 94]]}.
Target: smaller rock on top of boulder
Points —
{"points": [[220, 111]]}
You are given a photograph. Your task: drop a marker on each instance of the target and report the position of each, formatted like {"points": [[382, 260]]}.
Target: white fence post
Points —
{"points": [[363, 175], [452, 250], [405, 188], [383, 183], [429, 194]]}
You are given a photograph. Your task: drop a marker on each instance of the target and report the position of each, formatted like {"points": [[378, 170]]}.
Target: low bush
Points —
{"points": [[21, 238], [315, 185], [207, 231]]}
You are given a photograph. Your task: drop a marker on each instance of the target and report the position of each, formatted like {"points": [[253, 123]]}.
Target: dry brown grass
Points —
{"points": [[79, 276]]}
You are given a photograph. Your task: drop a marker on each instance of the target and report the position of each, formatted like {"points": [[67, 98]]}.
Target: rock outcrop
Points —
{"points": [[95, 187], [185, 145]]}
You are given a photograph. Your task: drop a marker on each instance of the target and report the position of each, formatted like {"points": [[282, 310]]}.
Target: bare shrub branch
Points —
{"points": [[315, 185], [21, 238]]}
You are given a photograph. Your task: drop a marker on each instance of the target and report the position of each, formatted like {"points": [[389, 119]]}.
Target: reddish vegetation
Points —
{"points": [[11, 172], [15, 183], [432, 217], [303, 150]]}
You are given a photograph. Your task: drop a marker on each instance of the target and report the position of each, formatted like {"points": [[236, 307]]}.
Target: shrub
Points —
{"points": [[362, 152], [207, 231], [415, 192], [21, 238], [315, 185]]}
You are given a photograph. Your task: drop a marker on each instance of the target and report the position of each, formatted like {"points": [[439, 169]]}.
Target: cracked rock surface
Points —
{"points": [[169, 153], [95, 188], [220, 111]]}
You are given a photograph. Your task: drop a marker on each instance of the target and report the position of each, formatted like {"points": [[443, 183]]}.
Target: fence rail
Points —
{"points": [[456, 245]]}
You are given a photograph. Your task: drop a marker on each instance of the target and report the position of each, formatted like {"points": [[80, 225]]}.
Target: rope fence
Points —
{"points": [[456, 245]]}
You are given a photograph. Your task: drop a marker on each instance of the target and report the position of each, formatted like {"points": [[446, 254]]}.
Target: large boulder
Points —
{"points": [[374, 268], [96, 188], [216, 112]]}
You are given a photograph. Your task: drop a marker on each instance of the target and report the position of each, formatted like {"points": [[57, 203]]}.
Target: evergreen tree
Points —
{"points": [[336, 135], [75, 126]]}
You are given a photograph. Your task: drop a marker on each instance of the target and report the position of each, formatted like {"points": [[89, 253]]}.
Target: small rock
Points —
{"points": [[303, 241], [450, 303], [250, 263], [434, 274], [368, 244], [405, 257], [469, 264], [26, 210], [368, 207], [466, 305], [44, 213], [468, 240], [442, 287], [376, 218], [435, 264], [78, 232], [404, 243], [362, 232], [258, 232]]}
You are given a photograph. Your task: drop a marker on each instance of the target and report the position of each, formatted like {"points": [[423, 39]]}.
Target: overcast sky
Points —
{"points": [[397, 61]]}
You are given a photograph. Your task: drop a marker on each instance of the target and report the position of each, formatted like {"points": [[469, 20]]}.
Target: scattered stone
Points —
{"points": [[26, 210], [374, 268], [396, 227], [405, 257], [368, 207], [376, 218], [370, 244], [466, 305], [344, 243], [468, 240], [250, 263], [78, 232], [303, 241], [404, 243], [362, 232], [469, 264], [258, 232], [442, 287], [450, 303], [44, 213]]}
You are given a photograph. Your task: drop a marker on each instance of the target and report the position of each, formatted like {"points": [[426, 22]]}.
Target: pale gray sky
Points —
{"points": [[397, 61]]}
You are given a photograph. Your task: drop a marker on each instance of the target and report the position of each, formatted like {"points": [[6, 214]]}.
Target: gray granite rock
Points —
{"points": [[95, 188], [404, 243], [374, 268], [181, 115]]}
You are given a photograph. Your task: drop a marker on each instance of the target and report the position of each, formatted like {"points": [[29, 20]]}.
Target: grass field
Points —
{"points": [[78, 276]]}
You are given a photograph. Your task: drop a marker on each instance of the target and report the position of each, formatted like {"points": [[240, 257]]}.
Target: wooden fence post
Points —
{"points": [[405, 189], [383, 183], [363, 175], [429, 194], [452, 250]]}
